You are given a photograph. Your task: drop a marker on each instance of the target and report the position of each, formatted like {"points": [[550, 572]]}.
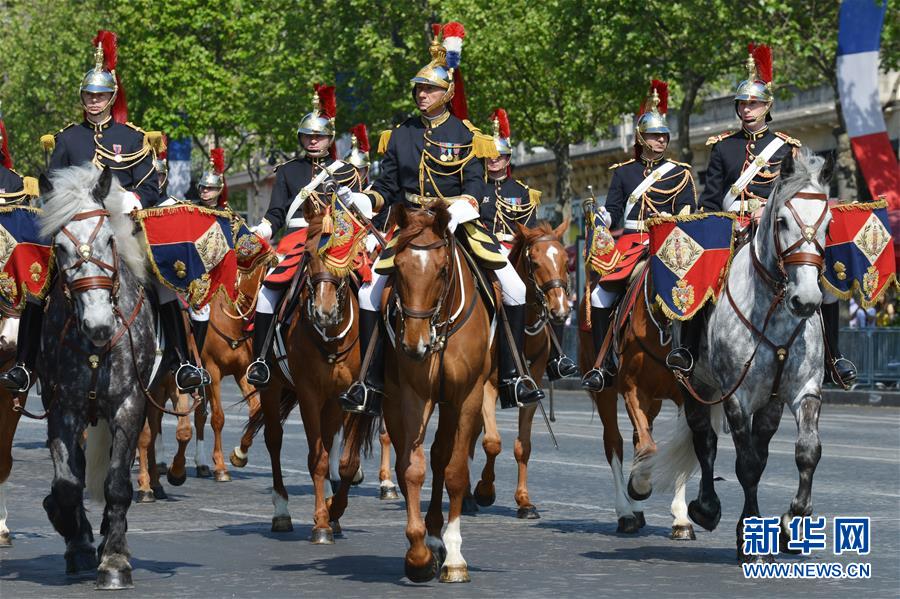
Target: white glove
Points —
{"points": [[605, 216], [371, 243], [664, 213], [131, 202], [264, 230], [360, 200], [460, 212]]}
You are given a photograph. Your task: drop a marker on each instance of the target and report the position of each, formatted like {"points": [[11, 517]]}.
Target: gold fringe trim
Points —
{"points": [[30, 186], [483, 146], [48, 142], [184, 207], [534, 196], [156, 141], [681, 218], [383, 140], [8, 208], [709, 295], [854, 287], [857, 206]]}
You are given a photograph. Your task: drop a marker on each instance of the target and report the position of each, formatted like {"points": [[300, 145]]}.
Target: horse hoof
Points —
{"points": [[5, 539], [469, 505], [114, 580], [422, 573], [203, 471], [145, 497], [236, 461], [282, 524], [628, 525], [388, 494], [455, 574], [485, 500], [358, 478], [159, 492], [162, 467], [528, 512], [632, 492], [81, 561], [222, 476], [700, 516], [322, 536], [642, 522], [176, 481], [683, 532], [336, 528]]}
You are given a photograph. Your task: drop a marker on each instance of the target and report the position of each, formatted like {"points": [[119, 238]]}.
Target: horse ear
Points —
{"points": [[441, 220], [521, 230], [101, 189], [828, 170], [44, 184], [787, 166], [400, 215], [559, 231]]}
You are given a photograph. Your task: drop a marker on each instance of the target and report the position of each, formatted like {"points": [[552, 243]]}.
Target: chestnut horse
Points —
{"points": [[322, 361], [540, 258], [149, 487], [643, 381], [441, 355], [9, 418]]}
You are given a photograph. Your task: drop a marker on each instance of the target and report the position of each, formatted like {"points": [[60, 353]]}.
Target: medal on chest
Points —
{"points": [[117, 150]]}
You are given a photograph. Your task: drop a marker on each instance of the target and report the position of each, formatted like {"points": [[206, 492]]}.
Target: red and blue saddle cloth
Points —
{"points": [[26, 257], [859, 252], [191, 251], [250, 249]]}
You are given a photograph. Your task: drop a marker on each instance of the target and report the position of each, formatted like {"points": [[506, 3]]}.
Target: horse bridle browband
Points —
{"points": [[86, 255]]}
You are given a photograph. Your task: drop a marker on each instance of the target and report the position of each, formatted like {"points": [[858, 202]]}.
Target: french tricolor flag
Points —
{"points": [[859, 39]]}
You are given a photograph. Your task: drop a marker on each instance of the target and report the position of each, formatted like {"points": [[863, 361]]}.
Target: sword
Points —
{"points": [[325, 174], [552, 413], [547, 421]]}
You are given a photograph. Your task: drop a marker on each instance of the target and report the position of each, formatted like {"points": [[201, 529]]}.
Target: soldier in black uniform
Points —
{"points": [[506, 202], [433, 157], [293, 181], [743, 168], [14, 189], [125, 149], [646, 186]]}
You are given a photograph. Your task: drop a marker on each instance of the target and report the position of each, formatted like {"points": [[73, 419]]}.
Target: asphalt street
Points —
{"points": [[213, 539]]}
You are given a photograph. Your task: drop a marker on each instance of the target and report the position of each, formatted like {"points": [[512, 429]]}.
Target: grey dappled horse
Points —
{"points": [[768, 316], [99, 347]]}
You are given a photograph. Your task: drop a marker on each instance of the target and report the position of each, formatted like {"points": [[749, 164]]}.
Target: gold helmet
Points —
{"points": [[758, 84], [214, 177], [359, 147], [653, 113], [441, 71], [321, 120], [501, 132], [103, 77]]}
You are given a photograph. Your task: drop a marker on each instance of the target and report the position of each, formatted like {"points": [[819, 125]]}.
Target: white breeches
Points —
{"points": [[201, 315], [604, 298], [828, 298], [268, 299]]}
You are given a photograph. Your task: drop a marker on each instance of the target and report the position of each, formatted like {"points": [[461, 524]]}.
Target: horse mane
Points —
{"points": [[525, 236], [418, 221], [71, 195]]}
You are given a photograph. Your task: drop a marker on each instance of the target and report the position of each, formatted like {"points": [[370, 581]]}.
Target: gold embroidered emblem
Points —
{"points": [[212, 246], [35, 269], [679, 252], [180, 269], [872, 238], [870, 281], [603, 242], [8, 287], [683, 295], [248, 245], [840, 270], [198, 289]]}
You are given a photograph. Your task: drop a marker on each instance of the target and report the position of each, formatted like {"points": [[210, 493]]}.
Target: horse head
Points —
{"points": [[327, 291], [540, 255], [83, 214], [422, 276], [791, 235]]}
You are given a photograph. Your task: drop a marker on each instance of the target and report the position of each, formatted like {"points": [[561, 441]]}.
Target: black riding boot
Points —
{"points": [[18, 379], [515, 390], [560, 365], [683, 357], [365, 397], [596, 379], [846, 370], [187, 377], [258, 373], [199, 327]]}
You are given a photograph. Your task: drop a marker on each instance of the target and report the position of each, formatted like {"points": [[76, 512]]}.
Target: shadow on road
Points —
{"points": [[667, 553], [50, 570]]}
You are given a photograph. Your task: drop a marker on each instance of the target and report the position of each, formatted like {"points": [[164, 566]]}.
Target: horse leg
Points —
{"points": [[318, 439], [65, 503], [217, 420], [145, 455], [440, 457], [706, 510], [114, 571], [639, 487], [202, 468], [807, 452], [606, 402], [154, 467], [239, 453], [682, 529], [522, 451], [177, 472], [467, 424], [9, 420], [419, 562], [387, 489], [357, 429], [270, 404], [485, 493]]}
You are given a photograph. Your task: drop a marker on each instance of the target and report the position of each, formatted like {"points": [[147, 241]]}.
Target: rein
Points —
{"points": [[540, 289]]}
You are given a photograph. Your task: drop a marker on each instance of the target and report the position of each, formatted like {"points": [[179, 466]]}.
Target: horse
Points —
{"points": [[763, 347], [99, 350], [643, 381], [321, 361], [540, 258], [440, 355], [9, 417]]}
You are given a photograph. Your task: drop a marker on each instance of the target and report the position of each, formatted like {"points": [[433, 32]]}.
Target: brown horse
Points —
{"points": [[540, 258], [149, 487], [9, 418], [322, 360], [387, 490], [643, 381], [441, 356]]}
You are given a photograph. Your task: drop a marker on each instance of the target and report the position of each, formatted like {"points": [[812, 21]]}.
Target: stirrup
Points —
{"points": [[850, 369], [561, 367], [6, 378], [369, 396], [514, 383], [190, 367], [259, 382], [599, 373], [671, 365]]}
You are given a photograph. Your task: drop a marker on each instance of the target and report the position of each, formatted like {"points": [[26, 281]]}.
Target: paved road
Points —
{"points": [[212, 539]]}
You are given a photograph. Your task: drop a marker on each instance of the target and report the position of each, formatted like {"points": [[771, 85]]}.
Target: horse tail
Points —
{"points": [[675, 462], [97, 447], [360, 431], [258, 420]]}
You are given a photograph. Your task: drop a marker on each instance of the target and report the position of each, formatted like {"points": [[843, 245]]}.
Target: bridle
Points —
{"points": [[86, 256], [340, 286], [541, 289]]}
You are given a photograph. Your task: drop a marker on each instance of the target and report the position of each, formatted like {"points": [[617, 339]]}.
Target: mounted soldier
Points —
{"points": [[105, 139], [14, 188], [647, 185], [507, 203], [299, 184], [743, 168], [436, 157]]}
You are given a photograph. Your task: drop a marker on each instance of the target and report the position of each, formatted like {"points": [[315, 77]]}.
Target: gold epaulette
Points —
{"points": [[383, 140], [30, 186], [788, 139], [48, 142], [482, 145], [717, 138], [534, 196], [618, 164], [156, 141], [682, 164]]}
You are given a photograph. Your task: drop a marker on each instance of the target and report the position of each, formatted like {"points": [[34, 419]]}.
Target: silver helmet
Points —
{"points": [[321, 120]]}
